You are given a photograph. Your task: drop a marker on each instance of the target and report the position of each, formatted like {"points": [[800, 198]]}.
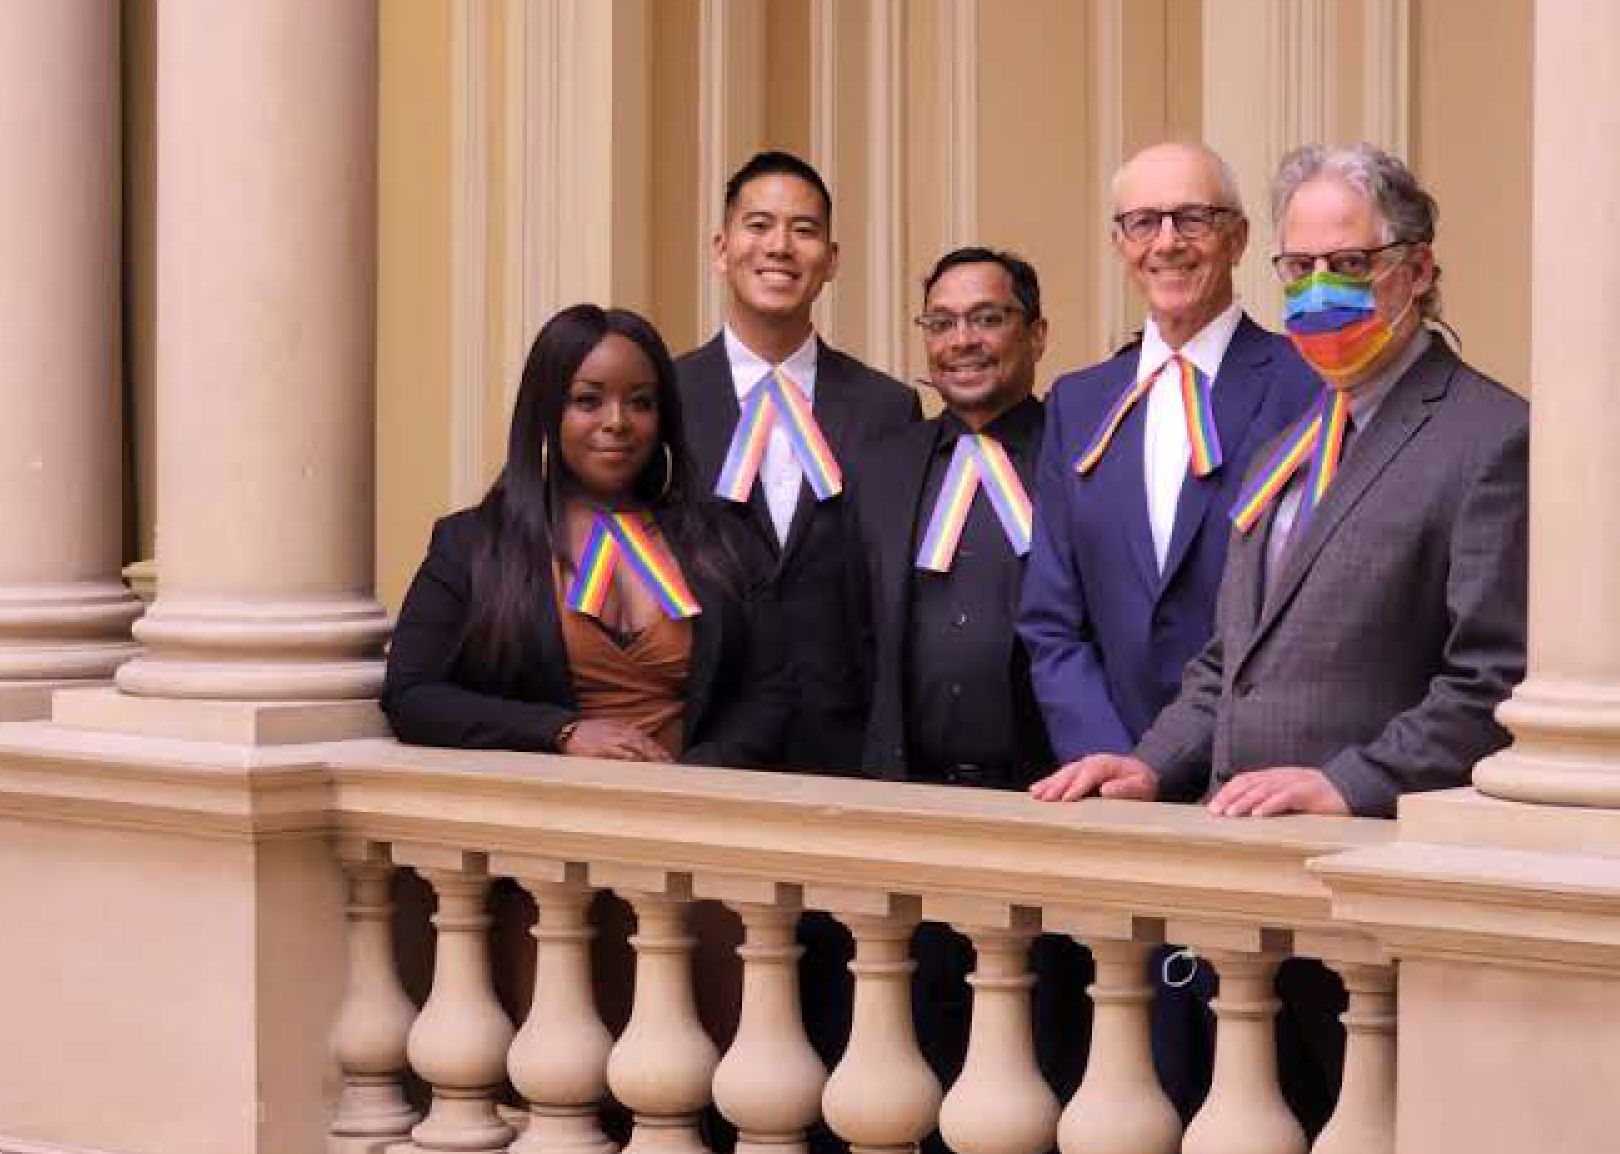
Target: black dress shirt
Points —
{"points": [[968, 701]]}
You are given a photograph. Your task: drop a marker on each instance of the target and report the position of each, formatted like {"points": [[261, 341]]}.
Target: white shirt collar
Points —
{"points": [[747, 366], [1205, 350]]}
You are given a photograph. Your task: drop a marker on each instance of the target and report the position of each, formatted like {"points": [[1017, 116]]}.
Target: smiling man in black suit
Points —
{"points": [[775, 250]]}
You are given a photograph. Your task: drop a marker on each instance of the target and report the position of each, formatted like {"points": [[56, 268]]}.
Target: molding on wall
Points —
{"points": [[530, 147], [824, 131], [731, 118], [1107, 42], [959, 98], [1269, 59], [885, 171], [1386, 46], [472, 71]]}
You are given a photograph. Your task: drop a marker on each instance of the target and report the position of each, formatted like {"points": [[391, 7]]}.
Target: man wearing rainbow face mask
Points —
{"points": [[1372, 610]]}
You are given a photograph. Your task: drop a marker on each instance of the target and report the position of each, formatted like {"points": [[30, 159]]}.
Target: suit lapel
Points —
{"points": [[1240, 385], [1122, 469], [712, 425], [903, 511], [1402, 414]]}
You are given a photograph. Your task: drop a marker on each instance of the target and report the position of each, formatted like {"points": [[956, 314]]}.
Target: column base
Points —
{"points": [[66, 631], [1466, 817], [1566, 747], [275, 650], [31, 700], [254, 723]]}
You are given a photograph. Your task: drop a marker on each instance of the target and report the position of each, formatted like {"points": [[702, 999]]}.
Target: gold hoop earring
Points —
{"points": [[669, 471], [545, 461]]}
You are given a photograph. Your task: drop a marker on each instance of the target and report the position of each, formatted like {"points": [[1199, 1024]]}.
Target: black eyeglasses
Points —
{"points": [[1353, 263], [1191, 221], [984, 320]]}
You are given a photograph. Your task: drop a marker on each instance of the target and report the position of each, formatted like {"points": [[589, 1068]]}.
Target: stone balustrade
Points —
{"points": [[1119, 877]]}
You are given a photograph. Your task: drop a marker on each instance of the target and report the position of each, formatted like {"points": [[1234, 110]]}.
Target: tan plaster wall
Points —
{"points": [[413, 299], [1471, 145], [128, 963], [1465, 1026]]}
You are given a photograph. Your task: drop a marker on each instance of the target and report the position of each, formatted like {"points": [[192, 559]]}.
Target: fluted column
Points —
{"points": [[1565, 716], [64, 614], [368, 1039], [1363, 1122], [664, 1061], [1245, 1112], [882, 1097], [769, 1084], [1120, 1107], [265, 334], [559, 1058], [1000, 1104], [459, 1042]]}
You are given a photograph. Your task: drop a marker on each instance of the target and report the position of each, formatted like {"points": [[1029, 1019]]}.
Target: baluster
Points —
{"points": [[1245, 1112], [1000, 1104], [459, 1042], [368, 1039], [558, 1060], [1120, 1107], [663, 1063], [1364, 1120], [769, 1084], [882, 1098]]}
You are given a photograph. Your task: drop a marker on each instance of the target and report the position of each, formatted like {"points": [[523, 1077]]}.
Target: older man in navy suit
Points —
{"points": [[1142, 459]]}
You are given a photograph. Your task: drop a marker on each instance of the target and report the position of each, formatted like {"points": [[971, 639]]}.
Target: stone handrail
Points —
{"points": [[1121, 877]]}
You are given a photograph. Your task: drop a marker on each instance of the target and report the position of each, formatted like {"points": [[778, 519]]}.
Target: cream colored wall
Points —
{"points": [[413, 316], [1471, 101]]}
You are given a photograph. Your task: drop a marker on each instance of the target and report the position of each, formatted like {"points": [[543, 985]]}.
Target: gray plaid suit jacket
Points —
{"points": [[1395, 622]]}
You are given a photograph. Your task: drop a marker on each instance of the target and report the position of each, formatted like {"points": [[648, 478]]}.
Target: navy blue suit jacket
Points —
{"points": [[1107, 634]]}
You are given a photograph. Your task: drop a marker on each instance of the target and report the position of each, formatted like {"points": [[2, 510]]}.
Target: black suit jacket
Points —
{"points": [[885, 513], [820, 615], [738, 692]]}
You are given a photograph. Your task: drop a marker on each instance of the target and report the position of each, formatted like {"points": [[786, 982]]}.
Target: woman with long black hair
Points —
{"points": [[595, 603]]}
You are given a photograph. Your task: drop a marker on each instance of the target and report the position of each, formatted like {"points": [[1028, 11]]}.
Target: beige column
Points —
{"points": [[64, 614], [1565, 717], [1363, 1121], [266, 271]]}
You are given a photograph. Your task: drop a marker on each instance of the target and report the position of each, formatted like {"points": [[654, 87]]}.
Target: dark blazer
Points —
{"points": [[820, 615], [738, 693], [885, 507], [1393, 626], [1107, 634]]}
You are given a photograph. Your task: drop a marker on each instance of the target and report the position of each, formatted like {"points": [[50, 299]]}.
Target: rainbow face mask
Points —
{"points": [[1335, 325]]}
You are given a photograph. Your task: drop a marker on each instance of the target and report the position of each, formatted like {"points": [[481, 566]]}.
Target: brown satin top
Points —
{"points": [[640, 684]]}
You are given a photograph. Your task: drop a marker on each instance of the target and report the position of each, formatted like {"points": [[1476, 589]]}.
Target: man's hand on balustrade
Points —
{"points": [[1285, 789], [613, 740], [1104, 774]]}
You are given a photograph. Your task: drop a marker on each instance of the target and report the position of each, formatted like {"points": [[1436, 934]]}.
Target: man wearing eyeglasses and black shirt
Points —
{"points": [[1142, 460], [942, 510]]}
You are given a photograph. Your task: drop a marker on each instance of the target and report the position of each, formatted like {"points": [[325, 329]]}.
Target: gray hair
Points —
{"points": [[1405, 211], [1226, 181]]}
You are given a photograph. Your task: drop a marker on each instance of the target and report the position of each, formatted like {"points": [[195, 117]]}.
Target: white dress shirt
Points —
{"points": [[1166, 451], [779, 471]]}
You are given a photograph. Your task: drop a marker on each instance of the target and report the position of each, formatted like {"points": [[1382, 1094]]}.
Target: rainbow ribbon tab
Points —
{"points": [[977, 460], [775, 397], [1196, 404], [618, 536], [1320, 436]]}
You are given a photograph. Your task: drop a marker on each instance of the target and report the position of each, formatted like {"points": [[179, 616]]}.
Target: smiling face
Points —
{"points": [[775, 251], [610, 425], [980, 374], [1185, 283]]}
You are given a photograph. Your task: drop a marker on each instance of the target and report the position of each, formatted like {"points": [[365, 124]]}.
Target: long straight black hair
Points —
{"points": [[519, 518]]}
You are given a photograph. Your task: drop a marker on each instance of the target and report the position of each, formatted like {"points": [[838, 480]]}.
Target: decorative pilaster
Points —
{"points": [[64, 614]]}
